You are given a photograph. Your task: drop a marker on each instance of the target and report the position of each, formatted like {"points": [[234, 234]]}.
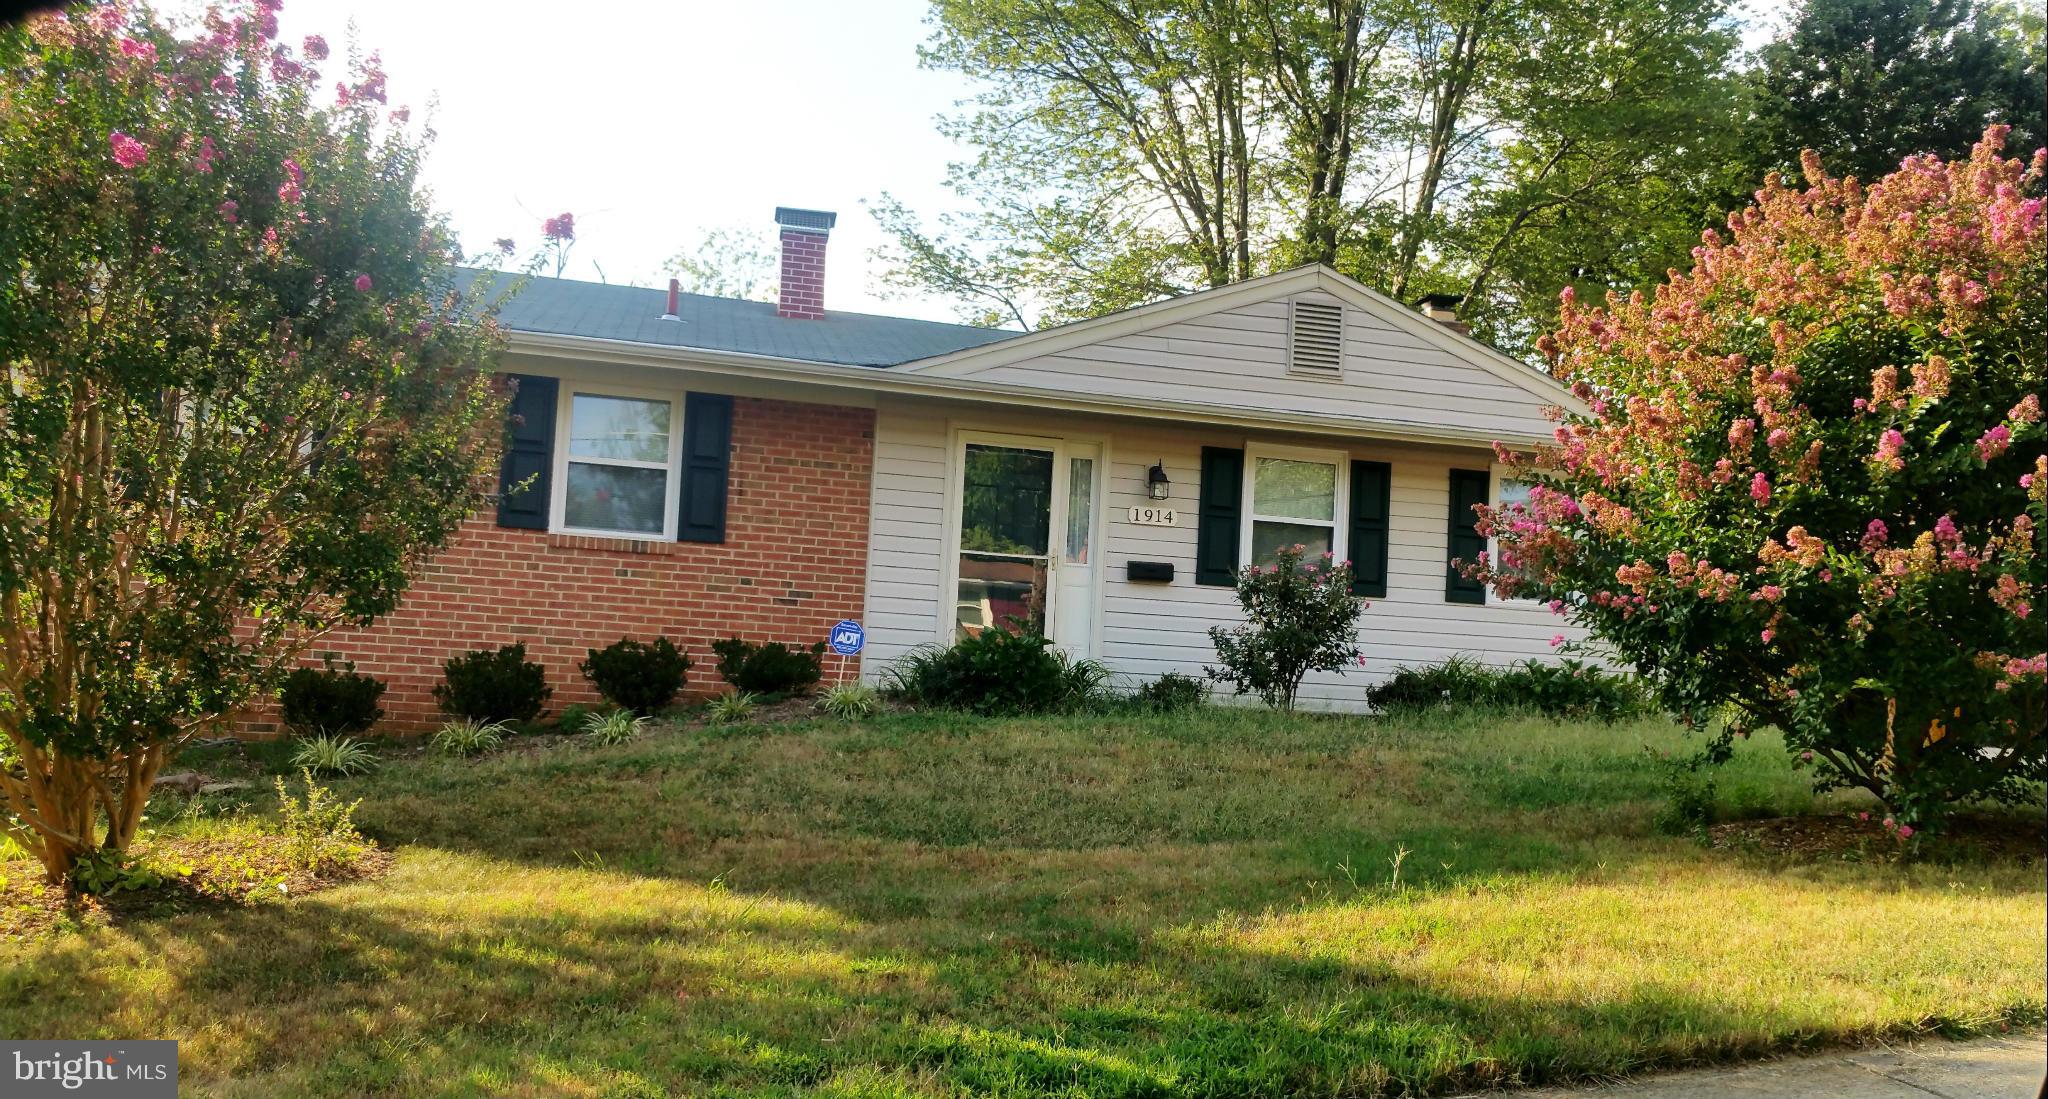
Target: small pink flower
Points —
{"points": [[224, 84], [1767, 635], [348, 395], [227, 210], [144, 50], [1994, 442], [1556, 639], [1863, 816], [1760, 488], [363, 284], [1777, 438], [128, 152], [1807, 755], [316, 47], [1905, 831]]}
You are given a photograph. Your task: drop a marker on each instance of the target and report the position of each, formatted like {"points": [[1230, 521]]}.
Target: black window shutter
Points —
{"points": [[707, 462], [529, 460], [1468, 490], [1216, 519], [1371, 487]]}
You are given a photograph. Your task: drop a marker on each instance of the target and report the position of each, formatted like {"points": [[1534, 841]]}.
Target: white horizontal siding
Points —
{"points": [[1236, 360], [1149, 629]]}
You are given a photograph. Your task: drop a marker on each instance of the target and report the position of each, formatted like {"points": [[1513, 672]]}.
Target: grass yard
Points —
{"points": [[1230, 904]]}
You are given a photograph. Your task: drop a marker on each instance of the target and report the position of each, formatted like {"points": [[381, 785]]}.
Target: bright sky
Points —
{"points": [[654, 122]]}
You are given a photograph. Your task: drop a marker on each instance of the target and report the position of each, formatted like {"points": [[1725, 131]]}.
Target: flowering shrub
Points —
{"points": [[1300, 617], [1808, 483], [241, 396]]}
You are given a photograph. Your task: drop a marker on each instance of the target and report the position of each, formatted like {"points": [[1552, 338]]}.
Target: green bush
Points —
{"points": [[1173, 693], [493, 685], [320, 828], [642, 678], [330, 701], [1300, 616], [771, 669], [998, 672], [1571, 689]]}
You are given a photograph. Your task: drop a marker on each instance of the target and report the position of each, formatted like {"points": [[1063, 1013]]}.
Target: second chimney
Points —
{"points": [[1443, 309], [804, 233]]}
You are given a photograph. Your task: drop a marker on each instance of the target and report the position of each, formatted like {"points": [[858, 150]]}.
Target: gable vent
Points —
{"points": [[1315, 339]]}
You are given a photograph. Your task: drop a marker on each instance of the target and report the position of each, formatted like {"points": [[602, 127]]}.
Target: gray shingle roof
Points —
{"points": [[633, 313]]}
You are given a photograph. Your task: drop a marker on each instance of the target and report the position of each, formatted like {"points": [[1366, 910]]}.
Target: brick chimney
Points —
{"points": [[1443, 309], [804, 233]]}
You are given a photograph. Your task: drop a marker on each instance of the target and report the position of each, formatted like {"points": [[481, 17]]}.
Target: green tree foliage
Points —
{"points": [[241, 396], [1132, 149], [1811, 482], [728, 263], [1865, 83]]}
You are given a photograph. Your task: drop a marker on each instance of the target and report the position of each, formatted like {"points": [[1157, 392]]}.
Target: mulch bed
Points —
{"points": [[1847, 836], [217, 872]]}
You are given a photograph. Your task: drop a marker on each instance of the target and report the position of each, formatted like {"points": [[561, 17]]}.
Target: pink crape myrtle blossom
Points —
{"points": [[128, 152], [1808, 477]]}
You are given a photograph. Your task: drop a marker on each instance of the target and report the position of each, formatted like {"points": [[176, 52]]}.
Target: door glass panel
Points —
{"points": [[1294, 490], [1006, 500], [618, 427], [1269, 537], [1080, 508], [997, 591]]}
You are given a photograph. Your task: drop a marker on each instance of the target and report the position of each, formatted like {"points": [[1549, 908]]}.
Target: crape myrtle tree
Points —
{"points": [[1809, 489], [241, 393]]}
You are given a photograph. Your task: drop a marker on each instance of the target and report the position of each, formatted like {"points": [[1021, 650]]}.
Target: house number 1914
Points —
{"points": [[1155, 517]]}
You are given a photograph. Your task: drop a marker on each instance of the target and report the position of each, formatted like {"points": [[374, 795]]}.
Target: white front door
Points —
{"points": [[1024, 542]]}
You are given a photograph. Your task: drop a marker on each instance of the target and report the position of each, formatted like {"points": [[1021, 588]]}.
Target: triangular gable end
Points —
{"points": [[1301, 342]]}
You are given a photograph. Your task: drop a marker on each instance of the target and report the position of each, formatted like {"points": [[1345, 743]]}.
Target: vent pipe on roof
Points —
{"points": [[675, 301], [804, 233]]}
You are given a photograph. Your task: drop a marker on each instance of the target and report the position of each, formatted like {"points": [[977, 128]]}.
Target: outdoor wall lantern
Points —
{"points": [[1156, 484]]}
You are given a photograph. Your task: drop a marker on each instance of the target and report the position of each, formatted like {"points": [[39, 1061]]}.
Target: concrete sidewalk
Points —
{"points": [[1988, 1068]]}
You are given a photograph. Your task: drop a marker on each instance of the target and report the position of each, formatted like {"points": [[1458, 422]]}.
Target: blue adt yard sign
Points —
{"points": [[848, 637]]}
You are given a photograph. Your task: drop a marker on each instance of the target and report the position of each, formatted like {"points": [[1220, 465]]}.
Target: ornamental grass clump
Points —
{"points": [[1808, 484]]}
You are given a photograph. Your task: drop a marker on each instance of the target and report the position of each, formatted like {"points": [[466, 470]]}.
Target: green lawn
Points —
{"points": [[934, 905]]}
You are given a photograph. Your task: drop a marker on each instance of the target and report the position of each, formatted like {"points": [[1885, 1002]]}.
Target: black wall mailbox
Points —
{"points": [[1158, 572]]}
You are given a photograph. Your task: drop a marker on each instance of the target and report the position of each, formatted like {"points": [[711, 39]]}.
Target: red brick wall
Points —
{"points": [[794, 561]]}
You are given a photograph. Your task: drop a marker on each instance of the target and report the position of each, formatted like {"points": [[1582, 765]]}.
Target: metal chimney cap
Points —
{"points": [[817, 221]]}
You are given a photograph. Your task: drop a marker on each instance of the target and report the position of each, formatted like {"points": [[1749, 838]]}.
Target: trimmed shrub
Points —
{"points": [[1173, 693], [493, 685], [640, 677], [771, 669], [330, 701], [1300, 617], [1571, 689], [997, 672]]}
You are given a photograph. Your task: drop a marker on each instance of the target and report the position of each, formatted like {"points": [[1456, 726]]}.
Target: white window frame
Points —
{"points": [[1340, 510], [565, 413], [1497, 474]]}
